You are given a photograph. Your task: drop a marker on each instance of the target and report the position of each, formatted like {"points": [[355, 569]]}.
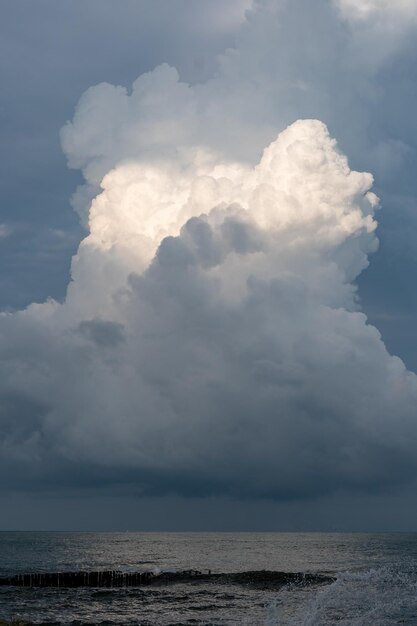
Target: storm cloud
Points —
{"points": [[212, 339]]}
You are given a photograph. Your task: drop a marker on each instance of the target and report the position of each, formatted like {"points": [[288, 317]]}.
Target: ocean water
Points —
{"points": [[375, 579]]}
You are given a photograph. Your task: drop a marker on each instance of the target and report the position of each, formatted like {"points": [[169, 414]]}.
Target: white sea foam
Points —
{"points": [[374, 597]]}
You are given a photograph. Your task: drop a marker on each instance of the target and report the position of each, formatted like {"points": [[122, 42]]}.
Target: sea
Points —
{"points": [[345, 579]]}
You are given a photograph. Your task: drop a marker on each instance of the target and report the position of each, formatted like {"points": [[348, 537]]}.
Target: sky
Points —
{"points": [[207, 242]]}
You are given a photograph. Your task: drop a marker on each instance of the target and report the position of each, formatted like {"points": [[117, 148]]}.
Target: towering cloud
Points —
{"points": [[211, 340]]}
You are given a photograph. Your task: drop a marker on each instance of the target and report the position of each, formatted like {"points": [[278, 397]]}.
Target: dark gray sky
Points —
{"points": [[122, 374]]}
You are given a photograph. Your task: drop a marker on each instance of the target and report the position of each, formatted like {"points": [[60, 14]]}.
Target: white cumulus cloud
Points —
{"points": [[212, 340], [211, 337]]}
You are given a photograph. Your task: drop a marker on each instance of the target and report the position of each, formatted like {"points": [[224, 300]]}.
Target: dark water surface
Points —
{"points": [[376, 578]]}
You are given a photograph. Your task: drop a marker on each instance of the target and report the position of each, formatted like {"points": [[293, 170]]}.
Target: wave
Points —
{"points": [[380, 597]]}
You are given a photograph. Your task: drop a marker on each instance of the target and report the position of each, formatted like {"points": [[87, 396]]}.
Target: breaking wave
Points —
{"points": [[375, 597]]}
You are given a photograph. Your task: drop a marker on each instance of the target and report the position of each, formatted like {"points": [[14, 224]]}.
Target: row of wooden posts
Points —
{"points": [[79, 579], [110, 578]]}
